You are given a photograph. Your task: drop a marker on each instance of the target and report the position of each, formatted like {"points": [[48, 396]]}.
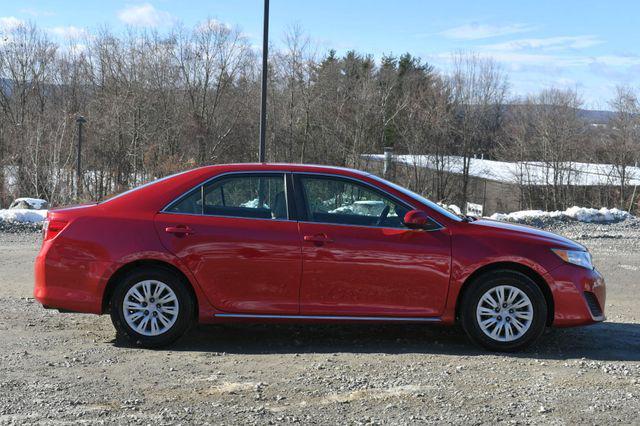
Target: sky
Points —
{"points": [[591, 46]]}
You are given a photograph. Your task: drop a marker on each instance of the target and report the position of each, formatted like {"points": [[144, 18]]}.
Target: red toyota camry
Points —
{"points": [[283, 242]]}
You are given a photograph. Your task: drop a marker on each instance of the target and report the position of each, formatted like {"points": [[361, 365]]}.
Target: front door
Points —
{"points": [[234, 235], [360, 260]]}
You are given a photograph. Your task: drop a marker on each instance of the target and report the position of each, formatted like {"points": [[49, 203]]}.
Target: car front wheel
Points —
{"points": [[504, 311], [151, 307]]}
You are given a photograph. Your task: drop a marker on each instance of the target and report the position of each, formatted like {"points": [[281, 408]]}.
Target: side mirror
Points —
{"points": [[417, 219]]}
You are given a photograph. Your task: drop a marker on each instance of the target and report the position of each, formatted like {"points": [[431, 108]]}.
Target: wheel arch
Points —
{"points": [[509, 266], [126, 268]]}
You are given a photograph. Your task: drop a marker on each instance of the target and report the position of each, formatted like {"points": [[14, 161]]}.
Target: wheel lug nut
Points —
{"points": [[146, 312], [499, 318], [508, 319], [510, 311], [504, 305]]}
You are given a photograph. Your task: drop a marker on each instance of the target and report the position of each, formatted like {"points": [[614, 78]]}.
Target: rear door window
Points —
{"points": [[252, 196]]}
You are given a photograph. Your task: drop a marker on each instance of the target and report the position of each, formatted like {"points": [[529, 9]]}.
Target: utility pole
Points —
{"points": [[263, 105], [80, 120]]}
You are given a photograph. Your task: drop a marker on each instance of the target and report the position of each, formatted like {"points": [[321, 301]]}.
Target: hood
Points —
{"points": [[530, 232]]}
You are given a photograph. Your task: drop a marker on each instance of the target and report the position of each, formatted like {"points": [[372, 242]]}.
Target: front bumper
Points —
{"points": [[579, 295]]}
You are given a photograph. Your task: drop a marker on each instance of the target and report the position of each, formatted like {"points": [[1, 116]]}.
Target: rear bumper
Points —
{"points": [[579, 295], [67, 283]]}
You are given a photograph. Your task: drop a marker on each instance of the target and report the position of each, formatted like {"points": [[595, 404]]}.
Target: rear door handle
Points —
{"points": [[179, 230], [318, 238]]}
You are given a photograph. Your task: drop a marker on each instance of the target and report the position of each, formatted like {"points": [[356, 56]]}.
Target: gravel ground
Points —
{"points": [[67, 368]]}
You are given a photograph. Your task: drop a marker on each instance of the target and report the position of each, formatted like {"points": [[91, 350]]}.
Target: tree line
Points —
{"points": [[156, 103]]}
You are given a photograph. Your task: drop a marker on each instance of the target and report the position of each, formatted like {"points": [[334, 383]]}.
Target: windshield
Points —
{"points": [[419, 198]]}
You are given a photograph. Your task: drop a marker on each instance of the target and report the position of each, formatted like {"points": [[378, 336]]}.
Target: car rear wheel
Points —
{"points": [[151, 307], [504, 311]]}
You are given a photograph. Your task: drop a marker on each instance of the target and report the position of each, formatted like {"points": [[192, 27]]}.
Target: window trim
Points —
{"points": [[301, 199], [296, 204], [213, 179]]}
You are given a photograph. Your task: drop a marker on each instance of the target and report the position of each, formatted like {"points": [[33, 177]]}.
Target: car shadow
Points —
{"points": [[608, 341]]}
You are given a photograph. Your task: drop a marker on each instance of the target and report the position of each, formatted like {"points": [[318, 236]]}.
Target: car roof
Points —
{"points": [[291, 167], [149, 197]]}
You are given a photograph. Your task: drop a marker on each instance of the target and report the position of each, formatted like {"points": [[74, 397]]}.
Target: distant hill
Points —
{"points": [[593, 116]]}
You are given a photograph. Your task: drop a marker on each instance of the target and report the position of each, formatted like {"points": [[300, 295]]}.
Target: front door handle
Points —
{"points": [[318, 238], [179, 230]]}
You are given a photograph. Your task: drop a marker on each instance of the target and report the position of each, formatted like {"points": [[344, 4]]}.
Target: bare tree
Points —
{"points": [[210, 58], [624, 138], [479, 89], [545, 137], [292, 98]]}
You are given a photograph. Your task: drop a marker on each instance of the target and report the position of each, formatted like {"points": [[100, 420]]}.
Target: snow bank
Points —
{"points": [[22, 215], [253, 204], [525, 172], [584, 214], [451, 207], [27, 202], [580, 214]]}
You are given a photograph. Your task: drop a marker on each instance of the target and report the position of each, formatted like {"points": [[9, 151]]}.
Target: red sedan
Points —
{"points": [[274, 242]]}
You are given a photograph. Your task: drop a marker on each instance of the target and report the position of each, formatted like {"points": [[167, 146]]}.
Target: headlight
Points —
{"points": [[580, 258]]}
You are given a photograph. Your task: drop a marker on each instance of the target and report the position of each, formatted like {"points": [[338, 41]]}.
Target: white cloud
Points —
{"points": [[69, 33], [9, 23], [145, 15], [36, 12], [547, 44], [617, 60], [475, 31], [213, 25], [519, 61]]}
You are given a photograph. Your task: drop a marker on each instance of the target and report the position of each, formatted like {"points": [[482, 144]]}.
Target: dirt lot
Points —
{"points": [[66, 368]]}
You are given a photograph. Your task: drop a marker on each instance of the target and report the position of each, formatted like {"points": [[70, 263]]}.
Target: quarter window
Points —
{"points": [[189, 204], [345, 202], [251, 196]]}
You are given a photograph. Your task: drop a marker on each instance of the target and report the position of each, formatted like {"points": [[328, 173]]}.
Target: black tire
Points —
{"points": [[491, 280], [185, 302]]}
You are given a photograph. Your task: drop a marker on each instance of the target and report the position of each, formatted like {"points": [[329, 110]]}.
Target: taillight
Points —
{"points": [[51, 228]]}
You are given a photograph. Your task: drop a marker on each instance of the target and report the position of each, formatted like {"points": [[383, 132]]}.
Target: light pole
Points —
{"points": [[80, 120], [263, 105]]}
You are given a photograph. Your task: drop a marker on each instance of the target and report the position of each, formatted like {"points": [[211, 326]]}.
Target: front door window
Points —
{"points": [[340, 201]]}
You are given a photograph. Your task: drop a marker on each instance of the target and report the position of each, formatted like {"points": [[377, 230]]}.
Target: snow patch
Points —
{"points": [[22, 215], [253, 204], [580, 214], [27, 202], [362, 207], [522, 173], [451, 207]]}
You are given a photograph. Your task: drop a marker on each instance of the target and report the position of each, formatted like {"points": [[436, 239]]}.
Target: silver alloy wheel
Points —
{"points": [[504, 313], [150, 307]]}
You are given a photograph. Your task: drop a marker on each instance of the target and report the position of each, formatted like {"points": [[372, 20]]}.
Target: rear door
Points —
{"points": [[235, 235], [359, 258]]}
